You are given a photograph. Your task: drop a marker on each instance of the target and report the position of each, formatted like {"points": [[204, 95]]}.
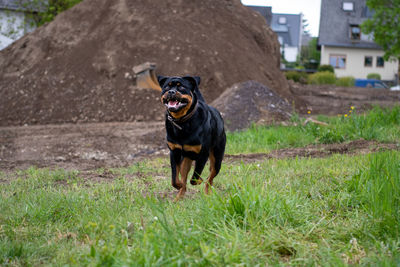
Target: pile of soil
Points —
{"points": [[251, 102], [78, 68]]}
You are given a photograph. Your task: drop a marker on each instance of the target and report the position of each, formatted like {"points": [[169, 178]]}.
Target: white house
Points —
{"points": [[345, 47], [289, 28]]}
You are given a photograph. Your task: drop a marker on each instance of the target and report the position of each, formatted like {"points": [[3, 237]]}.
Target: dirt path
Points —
{"points": [[318, 151], [333, 100], [80, 146], [104, 145]]}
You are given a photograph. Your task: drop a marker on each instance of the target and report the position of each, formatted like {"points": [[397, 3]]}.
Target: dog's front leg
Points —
{"points": [[184, 170], [175, 159]]}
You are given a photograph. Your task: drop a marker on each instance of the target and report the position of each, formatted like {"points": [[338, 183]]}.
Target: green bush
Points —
{"points": [[346, 81], [376, 76], [325, 77], [324, 68], [297, 76]]}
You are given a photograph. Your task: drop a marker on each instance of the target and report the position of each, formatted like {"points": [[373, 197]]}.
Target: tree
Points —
{"points": [[309, 55], [384, 25], [305, 26]]}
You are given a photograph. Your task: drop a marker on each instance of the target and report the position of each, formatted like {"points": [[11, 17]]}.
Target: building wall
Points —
{"points": [[13, 25], [355, 62], [291, 53]]}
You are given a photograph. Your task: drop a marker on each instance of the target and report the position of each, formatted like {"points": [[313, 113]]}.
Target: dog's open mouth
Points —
{"points": [[174, 104]]}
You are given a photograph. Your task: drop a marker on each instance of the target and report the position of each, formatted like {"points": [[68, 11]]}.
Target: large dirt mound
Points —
{"points": [[251, 102], [76, 67]]}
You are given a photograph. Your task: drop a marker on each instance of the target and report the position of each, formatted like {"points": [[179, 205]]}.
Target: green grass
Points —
{"points": [[379, 124], [334, 211]]}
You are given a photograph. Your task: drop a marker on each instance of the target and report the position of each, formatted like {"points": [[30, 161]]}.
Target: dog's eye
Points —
{"points": [[169, 83], [178, 84]]}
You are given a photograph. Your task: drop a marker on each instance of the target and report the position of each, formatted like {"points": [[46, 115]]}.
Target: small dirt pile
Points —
{"points": [[251, 102], [77, 67]]}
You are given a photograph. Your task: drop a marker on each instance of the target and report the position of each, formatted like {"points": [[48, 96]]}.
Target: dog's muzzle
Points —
{"points": [[174, 101]]}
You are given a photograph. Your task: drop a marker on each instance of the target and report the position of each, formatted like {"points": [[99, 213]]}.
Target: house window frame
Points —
{"points": [[365, 61], [338, 56], [346, 6], [378, 58], [355, 36]]}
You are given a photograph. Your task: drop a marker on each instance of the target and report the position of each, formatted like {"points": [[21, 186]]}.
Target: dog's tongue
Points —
{"points": [[172, 103]]}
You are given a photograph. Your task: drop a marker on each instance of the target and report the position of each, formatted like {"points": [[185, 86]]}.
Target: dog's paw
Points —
{"points": [[180, 195], [177, 185], [196, 181]]}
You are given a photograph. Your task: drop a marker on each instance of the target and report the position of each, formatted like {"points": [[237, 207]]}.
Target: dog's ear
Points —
{"points": [[161, 80], [194, 80]]}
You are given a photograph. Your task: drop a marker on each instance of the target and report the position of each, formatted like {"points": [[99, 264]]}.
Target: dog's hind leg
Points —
{"points": [[198, 169], [184, 170], [213, 172], [216, 156]]}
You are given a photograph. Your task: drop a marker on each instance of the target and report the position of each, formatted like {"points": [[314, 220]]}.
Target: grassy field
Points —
{"points": [[335, 211], [379, 124]]}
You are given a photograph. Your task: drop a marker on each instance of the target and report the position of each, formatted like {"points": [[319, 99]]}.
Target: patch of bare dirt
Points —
{"points": [[90, 146], [80, 146], [318, 151], [333, 100]]}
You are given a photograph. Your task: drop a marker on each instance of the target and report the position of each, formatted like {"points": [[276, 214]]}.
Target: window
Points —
{"points": [[337, 61], [348, 6], [355, 32], [368, 61], [380, 62], [282, 20]]}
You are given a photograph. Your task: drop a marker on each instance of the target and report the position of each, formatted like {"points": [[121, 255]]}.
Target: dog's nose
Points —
{"points": [[172, 92]]}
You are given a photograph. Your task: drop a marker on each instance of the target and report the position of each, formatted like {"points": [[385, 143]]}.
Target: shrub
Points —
{"points": [[346, 81], [297, 76], [376, 76], [324, 68], [325, 77]]}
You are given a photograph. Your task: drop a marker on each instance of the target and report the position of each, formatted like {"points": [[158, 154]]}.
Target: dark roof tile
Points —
{"points": [[334, 28]]}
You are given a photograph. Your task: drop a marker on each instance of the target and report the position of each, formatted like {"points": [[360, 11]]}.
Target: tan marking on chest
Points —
{"points": [[196, 149], [173, 146]]}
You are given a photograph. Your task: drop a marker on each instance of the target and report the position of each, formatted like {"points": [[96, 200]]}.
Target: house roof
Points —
{"points": [[291, 30], [334, 29], [265, 11], [24, 5]]}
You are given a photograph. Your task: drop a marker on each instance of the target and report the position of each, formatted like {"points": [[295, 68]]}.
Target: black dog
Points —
{"points": [[195, 131]]}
